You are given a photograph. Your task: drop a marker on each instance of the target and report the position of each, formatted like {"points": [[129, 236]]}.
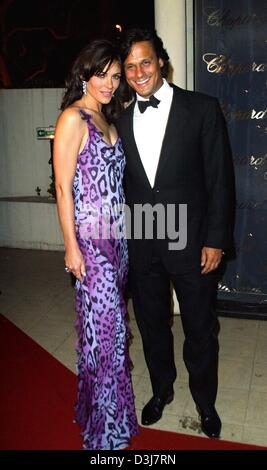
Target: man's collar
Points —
{"points": [[162, 92]]}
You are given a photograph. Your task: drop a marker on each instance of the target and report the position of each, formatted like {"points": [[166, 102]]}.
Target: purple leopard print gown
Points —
{"points": [[105, 404]]}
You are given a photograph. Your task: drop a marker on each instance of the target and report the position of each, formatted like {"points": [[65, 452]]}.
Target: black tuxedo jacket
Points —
{"points": [[195, 168]]}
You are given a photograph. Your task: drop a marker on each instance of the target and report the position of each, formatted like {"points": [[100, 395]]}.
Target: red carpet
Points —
{"points": [[37, 398]]}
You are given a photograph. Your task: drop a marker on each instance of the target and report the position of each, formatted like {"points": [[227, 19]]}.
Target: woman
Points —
{"points": [[89, 164]]}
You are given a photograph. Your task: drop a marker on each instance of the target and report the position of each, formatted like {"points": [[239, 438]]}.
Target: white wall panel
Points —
{"points": [[23, 158], [30, 225]]}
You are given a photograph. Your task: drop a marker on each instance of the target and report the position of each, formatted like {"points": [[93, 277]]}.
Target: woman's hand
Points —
{"points": [[75, 263]]}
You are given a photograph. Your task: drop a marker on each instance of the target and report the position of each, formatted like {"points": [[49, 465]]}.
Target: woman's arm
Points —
{"points": [[69, 135]]}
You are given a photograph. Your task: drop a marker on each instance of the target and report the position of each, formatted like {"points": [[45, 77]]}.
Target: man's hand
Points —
{"points": [[210, 259]]}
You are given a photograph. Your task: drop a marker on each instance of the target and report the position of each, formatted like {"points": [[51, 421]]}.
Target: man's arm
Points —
{"points": [[219, 180], [219, 177]]}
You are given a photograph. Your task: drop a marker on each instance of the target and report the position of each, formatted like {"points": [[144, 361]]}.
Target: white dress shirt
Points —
{"points": [[149, 129]]}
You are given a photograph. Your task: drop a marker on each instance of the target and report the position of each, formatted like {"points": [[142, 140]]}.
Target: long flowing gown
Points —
{"points": [[105, 404]]}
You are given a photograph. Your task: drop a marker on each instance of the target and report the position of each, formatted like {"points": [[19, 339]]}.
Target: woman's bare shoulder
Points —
{"points": [[70, 116]]}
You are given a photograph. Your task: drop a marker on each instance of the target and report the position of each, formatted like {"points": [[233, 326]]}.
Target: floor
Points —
{"points": [[37, 295]]}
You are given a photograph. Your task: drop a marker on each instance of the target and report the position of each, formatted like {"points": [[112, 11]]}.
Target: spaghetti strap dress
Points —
{"points": [[105, 407]]}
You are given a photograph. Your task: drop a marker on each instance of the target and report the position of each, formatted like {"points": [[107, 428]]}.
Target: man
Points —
{"points": [[177, 153]]}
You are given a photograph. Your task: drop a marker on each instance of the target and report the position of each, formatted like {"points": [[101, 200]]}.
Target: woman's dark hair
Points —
{"points": [[138, 34], [92, 60]]}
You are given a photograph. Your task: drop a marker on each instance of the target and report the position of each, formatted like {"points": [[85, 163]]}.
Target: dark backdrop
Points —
{"points": [[230, 63], [40, 38]]}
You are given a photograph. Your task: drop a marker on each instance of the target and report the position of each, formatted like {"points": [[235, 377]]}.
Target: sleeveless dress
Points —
{"points": [[105, 404]]}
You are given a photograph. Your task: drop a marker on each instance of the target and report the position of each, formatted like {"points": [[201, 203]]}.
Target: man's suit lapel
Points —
{"points": [[133, 150], [176, 126], [173, 137]]}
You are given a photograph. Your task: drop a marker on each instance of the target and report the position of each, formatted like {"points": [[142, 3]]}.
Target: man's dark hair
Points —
{"points": [[137, 34]]}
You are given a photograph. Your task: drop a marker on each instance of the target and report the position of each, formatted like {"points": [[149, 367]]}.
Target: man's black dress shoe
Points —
{"points": [[153, 410], [210, 422]]}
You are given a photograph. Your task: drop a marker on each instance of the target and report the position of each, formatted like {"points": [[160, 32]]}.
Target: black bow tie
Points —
{"points": [[153, 101]]}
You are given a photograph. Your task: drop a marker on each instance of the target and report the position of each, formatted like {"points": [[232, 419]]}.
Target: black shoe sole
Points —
{"points": [[211, 436]]}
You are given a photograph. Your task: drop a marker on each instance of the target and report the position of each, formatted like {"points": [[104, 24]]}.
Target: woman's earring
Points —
{"points": [[84, 87]]}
